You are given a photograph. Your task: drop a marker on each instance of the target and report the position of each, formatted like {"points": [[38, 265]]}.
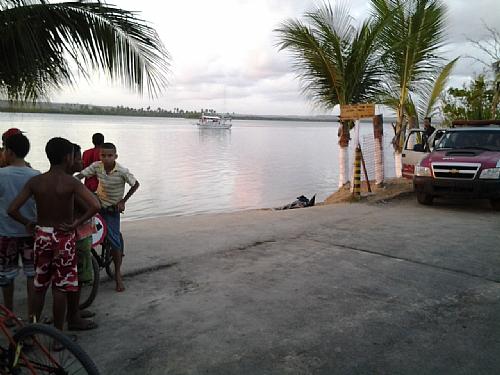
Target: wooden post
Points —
{"points": [[378, 134]]}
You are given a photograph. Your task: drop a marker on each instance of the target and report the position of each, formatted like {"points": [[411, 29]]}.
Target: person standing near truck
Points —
{"points": [[428, 131]]}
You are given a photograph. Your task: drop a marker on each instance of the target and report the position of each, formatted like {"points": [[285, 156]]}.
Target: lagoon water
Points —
{"points": [[185, 171]]}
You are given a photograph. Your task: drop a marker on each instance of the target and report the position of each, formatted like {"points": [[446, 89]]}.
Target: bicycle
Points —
{"points": [[38, 349], [102, 260]]}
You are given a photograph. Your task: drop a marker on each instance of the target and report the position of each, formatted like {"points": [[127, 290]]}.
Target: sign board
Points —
{"points": [[357, 111]]}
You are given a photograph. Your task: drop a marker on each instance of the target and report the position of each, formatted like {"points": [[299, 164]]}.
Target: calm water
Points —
{"points": [[184, 171]]}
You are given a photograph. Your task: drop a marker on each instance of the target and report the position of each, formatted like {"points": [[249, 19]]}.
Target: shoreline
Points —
{"points": [[392, 188]]}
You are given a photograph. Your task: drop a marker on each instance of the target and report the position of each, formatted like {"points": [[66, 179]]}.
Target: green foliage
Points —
{"points": [[336, 62], [471, 102], [41, 43], [411, 42]]}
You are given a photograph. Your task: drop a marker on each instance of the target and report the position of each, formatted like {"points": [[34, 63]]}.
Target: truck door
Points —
{"points": [[434, 139], [414, 151]]}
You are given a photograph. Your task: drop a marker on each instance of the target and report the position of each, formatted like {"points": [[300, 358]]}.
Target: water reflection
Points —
{"points": [[184, 170], [214, 136]]}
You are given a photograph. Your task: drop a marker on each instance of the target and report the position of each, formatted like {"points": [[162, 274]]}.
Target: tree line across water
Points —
{"points": [[87, 109]]}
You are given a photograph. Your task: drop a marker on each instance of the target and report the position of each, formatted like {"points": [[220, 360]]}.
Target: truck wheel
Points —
{"points": [[423, 198], [495, 203]]}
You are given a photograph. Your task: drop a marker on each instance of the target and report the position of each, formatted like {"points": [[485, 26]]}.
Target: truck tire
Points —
{"points": [[425, 199], [495, 203]]}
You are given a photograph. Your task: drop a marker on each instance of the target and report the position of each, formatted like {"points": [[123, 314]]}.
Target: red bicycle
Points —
{"points": [[38, 349]]}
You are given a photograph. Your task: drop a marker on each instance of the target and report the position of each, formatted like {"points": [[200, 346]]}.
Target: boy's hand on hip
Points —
{"points": [[65, 227], [120, 206]]}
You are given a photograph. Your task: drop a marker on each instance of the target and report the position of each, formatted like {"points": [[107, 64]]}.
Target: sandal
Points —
{"points": [[89, 324]]}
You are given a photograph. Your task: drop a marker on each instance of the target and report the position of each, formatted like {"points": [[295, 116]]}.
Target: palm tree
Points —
{"points": [[40, 42], [336, 62], [411, 42], [429, 98]]}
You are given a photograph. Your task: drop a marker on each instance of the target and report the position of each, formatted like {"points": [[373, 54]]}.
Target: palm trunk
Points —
{"points": [[398, 164], [412, 124], [378, 135], [397, 143], [343, 153]]}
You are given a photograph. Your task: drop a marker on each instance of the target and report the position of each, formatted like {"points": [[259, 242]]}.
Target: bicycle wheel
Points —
{"points": [[41, 349], [109, 265], [108, 259], [88, 291]]}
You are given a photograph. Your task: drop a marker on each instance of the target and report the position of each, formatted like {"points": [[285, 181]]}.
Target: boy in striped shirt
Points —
{"points": [[112, 179]]}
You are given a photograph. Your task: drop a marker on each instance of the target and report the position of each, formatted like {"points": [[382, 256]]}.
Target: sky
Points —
{"points": [[224, 54]]}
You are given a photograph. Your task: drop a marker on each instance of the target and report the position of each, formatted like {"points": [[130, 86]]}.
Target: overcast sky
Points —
{"points": [[224, 55]]}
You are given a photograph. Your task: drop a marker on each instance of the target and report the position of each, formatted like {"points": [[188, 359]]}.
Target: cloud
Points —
{"points": [[225, 56]]}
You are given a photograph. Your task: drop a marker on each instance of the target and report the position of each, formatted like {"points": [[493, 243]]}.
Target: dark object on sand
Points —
{"points": [[301, 202]]}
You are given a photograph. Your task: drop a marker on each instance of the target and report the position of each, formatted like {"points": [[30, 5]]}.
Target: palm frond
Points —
{"points": [[40, 41], [412, 39], [335, 62], [431, 93]]}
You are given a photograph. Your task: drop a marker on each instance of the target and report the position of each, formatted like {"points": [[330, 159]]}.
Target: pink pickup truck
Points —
{"points": [[465, 162]]}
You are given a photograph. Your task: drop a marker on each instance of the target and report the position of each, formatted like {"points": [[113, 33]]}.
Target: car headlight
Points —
{"points": [[422, 171], [490, 173]]}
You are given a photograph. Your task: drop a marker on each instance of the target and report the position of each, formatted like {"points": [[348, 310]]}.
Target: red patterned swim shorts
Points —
{"points": [[55, 259]]}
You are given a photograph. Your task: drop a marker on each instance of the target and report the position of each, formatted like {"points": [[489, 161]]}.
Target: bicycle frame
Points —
{"points": [[6, 314]]}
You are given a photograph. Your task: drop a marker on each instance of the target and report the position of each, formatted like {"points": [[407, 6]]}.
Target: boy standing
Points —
{"points": [[15, 239], [112, 178], [54, 192], [75, 317]]}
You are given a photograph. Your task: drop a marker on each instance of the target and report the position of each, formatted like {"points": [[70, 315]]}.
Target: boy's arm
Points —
{"points": [[91, 203], [121, 204], [18, 202], [87, 172]]}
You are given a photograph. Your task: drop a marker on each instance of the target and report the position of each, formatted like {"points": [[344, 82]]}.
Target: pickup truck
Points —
{"points": [[465, 162]]}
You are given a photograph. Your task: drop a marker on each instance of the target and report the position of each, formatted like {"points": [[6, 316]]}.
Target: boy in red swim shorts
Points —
{"points": [[55, 260]]}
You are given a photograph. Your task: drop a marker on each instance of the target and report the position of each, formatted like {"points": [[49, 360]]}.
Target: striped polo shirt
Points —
{"points": [[111, 187]]}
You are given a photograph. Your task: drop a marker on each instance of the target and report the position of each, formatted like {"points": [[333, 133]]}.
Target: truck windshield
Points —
{"points": [[474, 139]]}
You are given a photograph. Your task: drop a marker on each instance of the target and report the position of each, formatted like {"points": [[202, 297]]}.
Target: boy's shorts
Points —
{"points": [[55, 260], [112, 220], [84, 257], [11, 248]]}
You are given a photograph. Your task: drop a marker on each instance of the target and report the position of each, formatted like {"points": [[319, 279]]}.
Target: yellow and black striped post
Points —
{"points": [[356, 192]]}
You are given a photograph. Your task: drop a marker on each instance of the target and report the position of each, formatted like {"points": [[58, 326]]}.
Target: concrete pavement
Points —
{"points": [[340, 289]]}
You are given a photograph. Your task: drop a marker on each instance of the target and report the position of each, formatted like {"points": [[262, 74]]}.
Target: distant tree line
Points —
{"points": [[85, 109]]}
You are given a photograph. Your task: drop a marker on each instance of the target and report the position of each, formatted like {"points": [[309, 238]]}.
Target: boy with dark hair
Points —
{"points": [[15, 240], [91, 156], [54, 192], [10, 132], [112, 178], [75, 317]]}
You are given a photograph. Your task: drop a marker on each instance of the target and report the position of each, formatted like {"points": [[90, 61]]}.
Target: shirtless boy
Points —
{"points": [[54, 193]]}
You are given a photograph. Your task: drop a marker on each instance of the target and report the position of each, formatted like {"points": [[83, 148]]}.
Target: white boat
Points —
{"points": [[214, 122]]}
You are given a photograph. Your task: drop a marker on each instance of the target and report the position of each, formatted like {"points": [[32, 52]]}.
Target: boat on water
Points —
{"points": [[214, 122]]}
